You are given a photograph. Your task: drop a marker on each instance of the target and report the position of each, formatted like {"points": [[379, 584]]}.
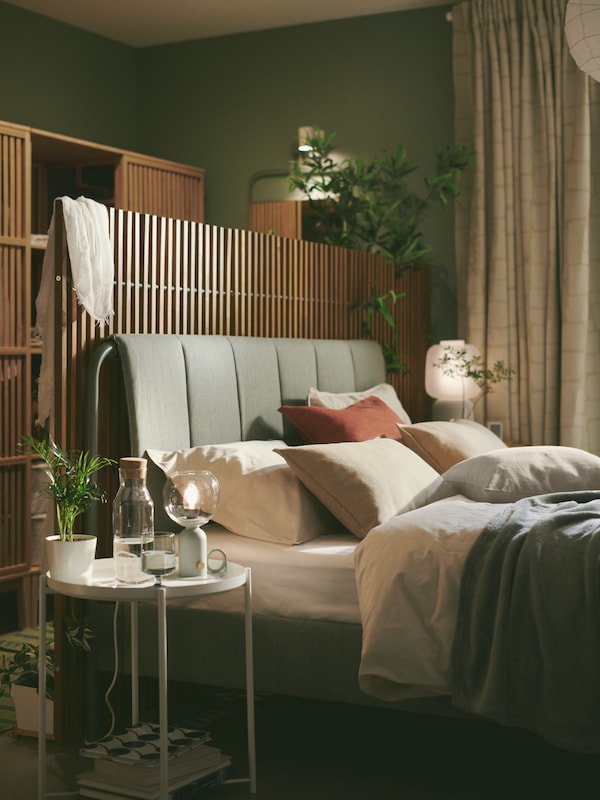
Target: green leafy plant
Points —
{"points": [[71, 480], [21, 669], [380, 304], [457, 363], [370, 206]]}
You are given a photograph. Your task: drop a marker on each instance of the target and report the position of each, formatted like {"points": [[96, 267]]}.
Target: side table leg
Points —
{"points": [[250, 680], [135, 669], [162, 691], [42, 690]]}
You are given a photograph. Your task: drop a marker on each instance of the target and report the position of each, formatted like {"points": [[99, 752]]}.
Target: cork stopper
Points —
{"points": [[133, 468]]}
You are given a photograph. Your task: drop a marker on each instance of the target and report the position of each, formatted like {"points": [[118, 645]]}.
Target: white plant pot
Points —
{"points": [[27, 711], [71, 562]]}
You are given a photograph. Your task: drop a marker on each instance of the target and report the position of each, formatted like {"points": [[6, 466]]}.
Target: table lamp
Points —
{"points": [[191, 499], [444, 382]]}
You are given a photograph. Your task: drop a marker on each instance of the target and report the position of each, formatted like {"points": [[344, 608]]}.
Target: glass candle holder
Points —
{"points": [[191, 499]]}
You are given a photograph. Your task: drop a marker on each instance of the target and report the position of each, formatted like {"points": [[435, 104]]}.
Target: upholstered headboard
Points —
{"points": [[184, 391]]}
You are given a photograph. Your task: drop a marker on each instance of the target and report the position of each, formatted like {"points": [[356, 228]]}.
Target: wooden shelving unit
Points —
{"points": [[35, 167]]}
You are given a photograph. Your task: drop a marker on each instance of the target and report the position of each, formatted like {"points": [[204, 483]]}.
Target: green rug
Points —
{"points": [[10, 643]]}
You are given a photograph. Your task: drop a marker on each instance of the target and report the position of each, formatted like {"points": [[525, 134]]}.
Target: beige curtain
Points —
{"points": [[528, 273]]}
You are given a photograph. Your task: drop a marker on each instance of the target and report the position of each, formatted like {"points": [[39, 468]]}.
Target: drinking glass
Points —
{"points": [[158, 556]]}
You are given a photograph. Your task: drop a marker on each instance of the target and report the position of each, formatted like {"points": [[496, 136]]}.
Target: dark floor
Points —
{"points": [[309, 750], [317, 751]]}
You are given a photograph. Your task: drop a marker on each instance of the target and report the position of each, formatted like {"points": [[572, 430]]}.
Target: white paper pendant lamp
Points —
{"points": [[582, 29]]}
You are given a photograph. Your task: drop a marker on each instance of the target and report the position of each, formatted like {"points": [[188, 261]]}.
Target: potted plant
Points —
{"points": [[456, 361], [19, 676], [73, 488], [372, 205]]}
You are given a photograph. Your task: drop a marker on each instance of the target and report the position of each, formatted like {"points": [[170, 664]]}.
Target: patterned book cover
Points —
{"points": [[140, 744]]}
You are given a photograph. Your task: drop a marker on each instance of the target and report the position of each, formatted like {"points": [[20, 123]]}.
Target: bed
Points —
{"points": [[358, 524]]}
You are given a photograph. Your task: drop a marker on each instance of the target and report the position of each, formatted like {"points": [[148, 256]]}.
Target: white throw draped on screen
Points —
{"points": [[92, 268]]}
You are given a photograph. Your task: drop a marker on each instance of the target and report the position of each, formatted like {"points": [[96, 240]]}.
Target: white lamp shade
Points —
{"points": [[448, 387], [582, 29]]}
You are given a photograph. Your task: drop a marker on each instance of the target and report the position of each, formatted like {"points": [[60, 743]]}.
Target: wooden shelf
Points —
{"points": [[35, 167]]}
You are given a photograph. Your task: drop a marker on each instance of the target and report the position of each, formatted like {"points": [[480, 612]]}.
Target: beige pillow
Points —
{"points": [[444, 444], [362, 483], [260, 496], [384, 391], [504, 476]]}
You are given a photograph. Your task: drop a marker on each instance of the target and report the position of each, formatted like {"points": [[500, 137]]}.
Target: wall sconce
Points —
{"points": [[582, 29], [304, 134], [451, 391]]}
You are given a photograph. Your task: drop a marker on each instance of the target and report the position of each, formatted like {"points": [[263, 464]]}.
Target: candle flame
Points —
{"points": [[191, 496]]}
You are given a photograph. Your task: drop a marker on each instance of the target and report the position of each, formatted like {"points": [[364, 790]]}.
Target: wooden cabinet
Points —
{"points": [[279, 217], [291, 218], [35, 167]]}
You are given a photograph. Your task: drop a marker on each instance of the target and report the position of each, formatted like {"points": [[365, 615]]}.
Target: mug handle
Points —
{"points": [[220, 569]]}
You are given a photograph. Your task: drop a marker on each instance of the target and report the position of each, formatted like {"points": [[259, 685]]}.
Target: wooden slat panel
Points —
{"points": [[14, 514], [13, 155], [13, 408]]}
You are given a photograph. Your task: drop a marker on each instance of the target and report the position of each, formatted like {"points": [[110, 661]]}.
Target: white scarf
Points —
{"points": [[92, 269]]}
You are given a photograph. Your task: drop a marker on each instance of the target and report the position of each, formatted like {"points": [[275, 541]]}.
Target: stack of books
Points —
{"points": [[127, 765]]}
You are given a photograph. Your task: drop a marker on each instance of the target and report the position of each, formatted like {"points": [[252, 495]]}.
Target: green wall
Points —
{"points": [[61, 79], [233, 104]]}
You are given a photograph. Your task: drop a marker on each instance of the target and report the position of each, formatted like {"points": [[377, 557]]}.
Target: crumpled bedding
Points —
{"points": [[527, 642], [408, 573]]}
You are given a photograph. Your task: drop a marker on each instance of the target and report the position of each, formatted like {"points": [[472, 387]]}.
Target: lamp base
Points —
{"points": [[444, 410], [193, 557]]}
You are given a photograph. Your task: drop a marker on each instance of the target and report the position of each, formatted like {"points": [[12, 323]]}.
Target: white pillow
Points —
{"points": [[260, 496], [504, 476], [362, 483], [337, 400]]}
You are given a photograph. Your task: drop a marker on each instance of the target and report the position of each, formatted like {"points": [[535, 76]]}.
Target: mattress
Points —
{"points": [[314, 580]]}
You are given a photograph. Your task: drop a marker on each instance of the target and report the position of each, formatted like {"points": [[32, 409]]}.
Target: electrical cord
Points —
{"points": [[114, 677]]}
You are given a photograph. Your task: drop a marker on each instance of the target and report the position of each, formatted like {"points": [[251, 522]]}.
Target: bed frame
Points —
{"points": [[184, 391]]}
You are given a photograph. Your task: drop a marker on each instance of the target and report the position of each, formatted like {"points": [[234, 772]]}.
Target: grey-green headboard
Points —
{"points": [[189, 390]]}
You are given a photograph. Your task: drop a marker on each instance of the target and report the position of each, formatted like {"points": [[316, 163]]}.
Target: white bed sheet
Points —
{"points": [[401, 583], [313, 580], [408, 574]]}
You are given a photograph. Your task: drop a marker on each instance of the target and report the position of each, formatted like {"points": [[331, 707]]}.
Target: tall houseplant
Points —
{"points": [[73, 488], [370, 206]]}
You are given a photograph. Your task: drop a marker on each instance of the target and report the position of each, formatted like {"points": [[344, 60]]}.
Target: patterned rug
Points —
{"points": [[10, 643]]}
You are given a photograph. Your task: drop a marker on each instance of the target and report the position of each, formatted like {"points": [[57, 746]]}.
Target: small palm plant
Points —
{"points": [[71, 480]]}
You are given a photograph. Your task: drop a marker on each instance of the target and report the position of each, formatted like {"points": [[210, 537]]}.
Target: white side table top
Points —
{"points": [[103, 585]]}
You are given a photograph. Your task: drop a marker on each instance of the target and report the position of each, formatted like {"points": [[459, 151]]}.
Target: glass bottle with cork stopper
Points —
{"points": [[133, 520]]}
